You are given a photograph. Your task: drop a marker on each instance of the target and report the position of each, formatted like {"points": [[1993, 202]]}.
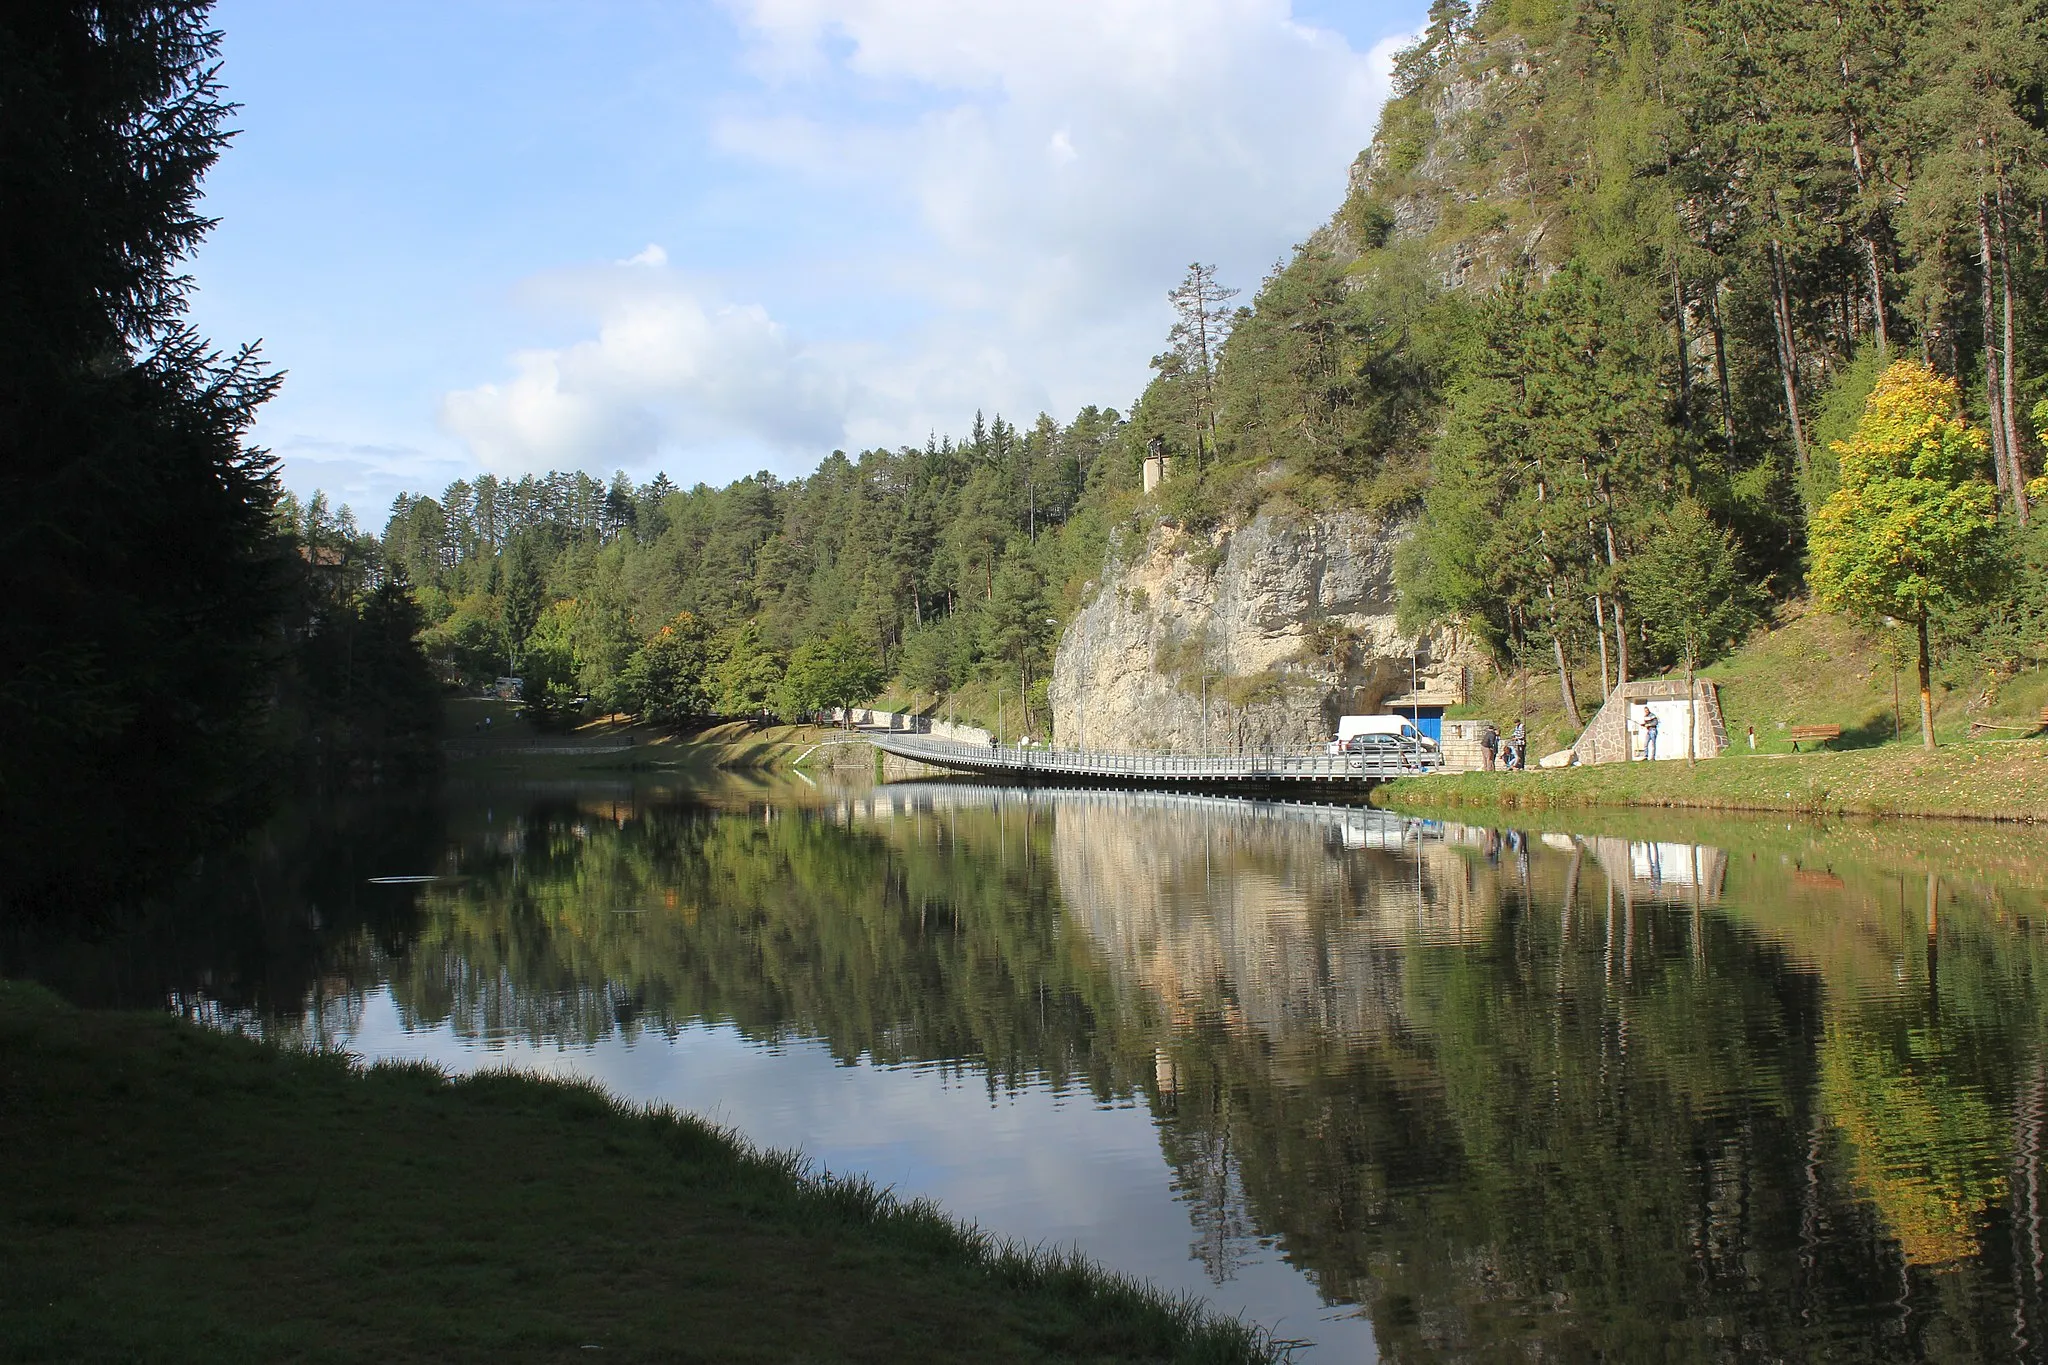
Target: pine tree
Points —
{"points": [[1197, 343], [146, 581], [1688, 586]]}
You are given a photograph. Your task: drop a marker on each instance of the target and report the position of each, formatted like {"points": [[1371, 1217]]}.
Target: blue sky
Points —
{"points": [[711, 238]]}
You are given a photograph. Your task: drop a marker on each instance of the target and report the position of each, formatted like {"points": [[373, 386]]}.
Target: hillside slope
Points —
{"points": [[1607, 266]]}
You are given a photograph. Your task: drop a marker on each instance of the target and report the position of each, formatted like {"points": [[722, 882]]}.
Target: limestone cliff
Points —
{"points": [[1273, 629]]}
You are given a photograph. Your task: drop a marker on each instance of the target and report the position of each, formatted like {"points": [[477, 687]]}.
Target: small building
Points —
{"points": [[1426, 708], [1617, 733], [1158, 464]]}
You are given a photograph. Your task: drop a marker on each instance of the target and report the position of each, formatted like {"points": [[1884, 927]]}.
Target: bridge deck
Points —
{"points": [[1340, 770]]}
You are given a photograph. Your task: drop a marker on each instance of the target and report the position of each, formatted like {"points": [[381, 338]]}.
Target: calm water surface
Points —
{"points": [[1401, 1090]]}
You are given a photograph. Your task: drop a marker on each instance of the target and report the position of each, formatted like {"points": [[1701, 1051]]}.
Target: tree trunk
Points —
{"points": [[1993, 404], [1620, 642], [1884, 341], [1788, 352], [1620, 615], [1926, 691], [1684, 345], [1869, 235], [1600, 632], [1691, 713], [2010, 395], [1564, 682], [1721, 367]]}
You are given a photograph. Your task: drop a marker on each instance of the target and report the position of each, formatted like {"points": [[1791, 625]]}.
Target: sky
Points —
{"points": [[718, 237]]}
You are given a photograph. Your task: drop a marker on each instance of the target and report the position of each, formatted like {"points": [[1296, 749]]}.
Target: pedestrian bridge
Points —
{"points": [[1355, 773]]}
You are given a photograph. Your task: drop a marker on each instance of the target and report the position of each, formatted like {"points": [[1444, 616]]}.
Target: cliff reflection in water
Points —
{"points": [[1508, 1094]]}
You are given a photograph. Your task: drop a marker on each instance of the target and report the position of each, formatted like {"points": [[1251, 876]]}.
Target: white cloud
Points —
{"points": [[1063, 161], [667, 373], [1002, 193], [1210, 128]]}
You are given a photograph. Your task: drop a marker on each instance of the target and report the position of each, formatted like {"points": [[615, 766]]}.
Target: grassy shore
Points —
{"points": [[1986, 779], [511, 745], [168, 1193], [1809, 668]]}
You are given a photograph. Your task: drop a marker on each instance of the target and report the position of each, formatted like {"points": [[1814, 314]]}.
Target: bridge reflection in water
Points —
{"points": [[1290, 915]]}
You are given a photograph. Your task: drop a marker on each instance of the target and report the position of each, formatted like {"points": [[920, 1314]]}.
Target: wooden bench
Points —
{"points": [[1814, 734]]}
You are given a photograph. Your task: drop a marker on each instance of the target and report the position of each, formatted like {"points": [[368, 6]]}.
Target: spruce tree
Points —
{"points": [[141, 616]]}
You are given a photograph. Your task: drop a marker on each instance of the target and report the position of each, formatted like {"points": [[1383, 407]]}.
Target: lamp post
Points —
{"points": [[1205, 709], [1050, 723]]}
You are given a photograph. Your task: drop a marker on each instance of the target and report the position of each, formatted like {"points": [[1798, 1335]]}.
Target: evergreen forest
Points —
{"points": [[1611, 285]]}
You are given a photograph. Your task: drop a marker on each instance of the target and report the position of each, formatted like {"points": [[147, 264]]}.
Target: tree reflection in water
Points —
{"points": [[1778, 1094]]}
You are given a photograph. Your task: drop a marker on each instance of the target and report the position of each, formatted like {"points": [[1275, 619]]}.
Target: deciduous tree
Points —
{"points": [[1913, 529]]}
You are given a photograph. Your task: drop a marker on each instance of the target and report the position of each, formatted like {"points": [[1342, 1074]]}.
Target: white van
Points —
{"points": [[1401, 726]]}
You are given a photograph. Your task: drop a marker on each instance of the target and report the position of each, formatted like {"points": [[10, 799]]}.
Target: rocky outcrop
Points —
{"points": [[1254, 638], [1445, 172]]}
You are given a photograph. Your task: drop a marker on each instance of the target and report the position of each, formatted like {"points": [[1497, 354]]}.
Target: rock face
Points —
{"points": [[1433, 187], [1274, 630]]}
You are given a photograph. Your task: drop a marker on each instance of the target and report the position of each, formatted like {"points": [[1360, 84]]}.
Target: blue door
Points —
{"points": [[1432, 726]]}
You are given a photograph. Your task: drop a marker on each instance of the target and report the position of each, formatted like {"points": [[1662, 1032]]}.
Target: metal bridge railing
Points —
{"points": [[1192, 767]]}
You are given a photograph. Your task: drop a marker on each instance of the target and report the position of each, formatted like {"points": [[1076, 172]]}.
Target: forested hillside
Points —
{"points": [[943, 565], [1604, 262], [1608, 286]]}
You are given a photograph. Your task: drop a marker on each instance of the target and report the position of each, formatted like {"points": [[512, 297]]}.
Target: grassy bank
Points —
{"points": [[167, 1193], [511, 745], [1809, 668], [1993, 779]]}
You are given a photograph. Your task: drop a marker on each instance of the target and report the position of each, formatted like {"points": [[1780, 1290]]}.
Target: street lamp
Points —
{"points": [[1205, 709], [1051, 621]]}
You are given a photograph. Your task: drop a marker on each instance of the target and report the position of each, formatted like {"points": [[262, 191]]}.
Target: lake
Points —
{"points": [[1648, 1088]]}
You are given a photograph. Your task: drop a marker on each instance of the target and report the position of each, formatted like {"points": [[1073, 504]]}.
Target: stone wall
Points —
{"points": [[1610, 738], [1463, 752]]}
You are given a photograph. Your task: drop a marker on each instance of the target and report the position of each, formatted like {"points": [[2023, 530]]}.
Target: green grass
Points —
{"points": [[168, 1193], [1985, 779], [513, 747], [1809, 668]]}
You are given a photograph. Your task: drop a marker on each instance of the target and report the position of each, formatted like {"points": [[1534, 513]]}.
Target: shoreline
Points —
{"points": [[513, 746], [2003, 781], [515, 1217]]}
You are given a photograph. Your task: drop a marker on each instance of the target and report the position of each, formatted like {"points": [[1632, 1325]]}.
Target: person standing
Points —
{"points": [[1519, 743], [1752, 739], [1489, 743], [1649, 734]]}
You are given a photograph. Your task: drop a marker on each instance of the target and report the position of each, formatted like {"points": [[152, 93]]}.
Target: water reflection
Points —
{"points": [[1633, 1094]]}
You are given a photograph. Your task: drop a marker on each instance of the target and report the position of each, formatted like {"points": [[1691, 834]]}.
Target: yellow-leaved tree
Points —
{"points": [[1914, 528]]}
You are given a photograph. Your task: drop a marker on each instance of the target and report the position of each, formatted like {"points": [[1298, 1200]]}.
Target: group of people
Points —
{"points": [[1509, 754], [1512, 753]]}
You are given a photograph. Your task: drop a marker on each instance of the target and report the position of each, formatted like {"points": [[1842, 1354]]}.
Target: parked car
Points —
{"points": [[1387, 750], [1350, 727]]}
